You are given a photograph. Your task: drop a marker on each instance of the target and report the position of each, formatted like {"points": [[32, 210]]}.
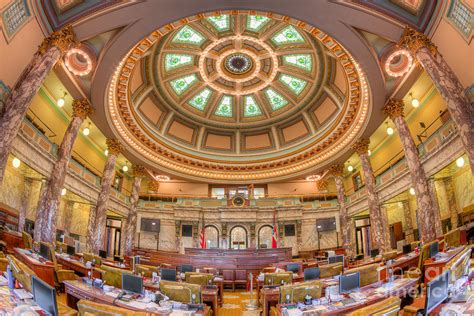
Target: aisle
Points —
{"points": [[234, 303]]}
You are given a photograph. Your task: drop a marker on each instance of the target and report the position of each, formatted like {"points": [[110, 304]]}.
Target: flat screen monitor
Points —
{"points": [[326, 224], [44, 295], [434, 249], [349, 282], [312, 274], [406, 248], [186, 268], [103, 254], [334, 259], [71, 250], [436, 292], [374, 253], [293, 267], [44, 251], [168, 274], [132, 283]]}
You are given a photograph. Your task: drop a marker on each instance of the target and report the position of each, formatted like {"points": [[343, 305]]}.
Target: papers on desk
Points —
{"points": [[3, 281]]}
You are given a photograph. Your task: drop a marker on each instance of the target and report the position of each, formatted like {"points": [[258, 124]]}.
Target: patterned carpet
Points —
{"points": [[234, 303]]}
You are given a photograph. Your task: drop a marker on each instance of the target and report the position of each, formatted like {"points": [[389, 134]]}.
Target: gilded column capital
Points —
{"points": [[81, 108], [336, 170], [394, 108], [414, 40], [62, 39], [113, 146], [361, 146], [322, 185], [139, 171], [153, 186]]}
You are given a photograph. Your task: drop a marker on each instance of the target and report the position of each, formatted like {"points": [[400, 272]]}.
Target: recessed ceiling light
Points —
{"points": [[460, 162], [390, 131], [61, 101], [63, 192], [350, 168], [106, 152], [412, 191], [125, 168], [16, 163]]}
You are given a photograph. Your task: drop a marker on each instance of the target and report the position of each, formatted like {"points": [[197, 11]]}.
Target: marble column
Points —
{"points": [[394, 109], [17, 102], [139, 172], [122, 236], [90, 229], [299, 237], [451, 201], [447, 84], [68, 213], [346, 232], [49, 205], [376, 221], [385, 226], [99, 239], [25, 203], [177, 235], [40, 217], [409, 237], [436, 212]]}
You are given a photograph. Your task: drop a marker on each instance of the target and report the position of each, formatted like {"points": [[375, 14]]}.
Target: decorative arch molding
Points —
{"points": [[216, 243], [246, 239], [260, 232]]}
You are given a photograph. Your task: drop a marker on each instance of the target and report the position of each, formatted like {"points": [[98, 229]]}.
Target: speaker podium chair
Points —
{"points": [[228, 277]]}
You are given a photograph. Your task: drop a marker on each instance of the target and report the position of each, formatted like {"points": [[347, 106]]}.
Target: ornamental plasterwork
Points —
{"points": [[278, 92]]}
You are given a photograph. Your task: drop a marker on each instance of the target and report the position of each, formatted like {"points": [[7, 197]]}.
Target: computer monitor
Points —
{"points": [[434, 249], [44, 295], [103, 254], [334, 259], [44, 251], [374, 253], [186, 268], [312, 274], [407, 248], [293, 267], [168, 274], [436, 291], [349, 282], [132, 283], [70, 250]]}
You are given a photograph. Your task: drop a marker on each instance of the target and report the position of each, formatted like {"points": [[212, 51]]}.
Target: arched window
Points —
{"points": [[238, 237], [211, 234], [265, 236]]}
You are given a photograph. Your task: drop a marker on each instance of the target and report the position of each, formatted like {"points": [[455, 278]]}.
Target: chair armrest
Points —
{"points": [[411, 309], [65, 275]]}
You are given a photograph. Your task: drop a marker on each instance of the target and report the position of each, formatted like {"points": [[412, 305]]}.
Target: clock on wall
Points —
{"points": [[238, 201]]}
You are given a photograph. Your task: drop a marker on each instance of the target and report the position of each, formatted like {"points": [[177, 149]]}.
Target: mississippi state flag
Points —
{"points": [[203, 238], [275, 231]]}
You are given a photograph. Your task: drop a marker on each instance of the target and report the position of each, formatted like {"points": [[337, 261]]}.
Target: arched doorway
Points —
{"points": [[238, 237], [265, 236], [212, 236]]}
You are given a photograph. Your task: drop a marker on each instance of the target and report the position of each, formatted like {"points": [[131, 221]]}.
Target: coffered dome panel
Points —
{"points": [[248, 91]]}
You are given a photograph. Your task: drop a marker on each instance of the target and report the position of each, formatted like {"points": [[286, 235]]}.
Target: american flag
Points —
{"points": [[203, 235], [275, 231]]}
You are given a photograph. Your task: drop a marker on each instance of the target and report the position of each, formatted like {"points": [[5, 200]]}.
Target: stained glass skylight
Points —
{"points": [[288, 35], [303, 61], [296, 85], [251, 107], [199, 101], [256, 22], [275, 99], [188, 35], [220, 22], [177, 60], [182, 84], [225, 106]]}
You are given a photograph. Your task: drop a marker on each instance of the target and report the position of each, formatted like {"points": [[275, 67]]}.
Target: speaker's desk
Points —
{"points": [[44, 269]]}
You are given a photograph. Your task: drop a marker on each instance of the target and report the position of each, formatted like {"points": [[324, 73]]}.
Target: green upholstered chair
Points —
{"points": [[330, 270], [388, 307], [277, 278], [368, 273], [145, 270], [453, 238], [198, 278], [3, 262], [181, 291], [21, 272], [92, 308], [60, 274], [27, 240], [298, 291], [112, 276]]}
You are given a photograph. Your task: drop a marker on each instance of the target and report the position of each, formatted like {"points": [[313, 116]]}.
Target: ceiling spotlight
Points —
{"points": [[86, 131], [412, 191], [350, 168], [61, 101], [125, 167], [414, 101], [16, 163], [63, 192], [106, 152], [369, 152], [460, 162]]}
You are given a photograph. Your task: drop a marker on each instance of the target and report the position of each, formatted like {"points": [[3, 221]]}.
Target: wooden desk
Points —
{"points": [[12, 239], [400, 264], [44, 270], [433, 268], [116, 265], [79, 290], [419, 303], [364, 262], [259, 283], [372, 296], [77, 266], [9, 301]]}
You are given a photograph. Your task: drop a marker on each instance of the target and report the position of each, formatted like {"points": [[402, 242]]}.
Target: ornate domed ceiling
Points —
{"points": [[237, 96]]}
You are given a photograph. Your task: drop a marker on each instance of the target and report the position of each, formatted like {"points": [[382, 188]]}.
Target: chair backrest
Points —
{"points": [[278, 278], [88, 257], [21, 272], [388, 307], [241, 275], [93, 308], [312, 274], [113, 276], [27, 240], [168, 274], [389, 255], [298, 291], [198, 278], [460, 264], [145, 270], [181, 291], [453, 238], [52, 254], [228, 275], [368, 273], [330, 270]]}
